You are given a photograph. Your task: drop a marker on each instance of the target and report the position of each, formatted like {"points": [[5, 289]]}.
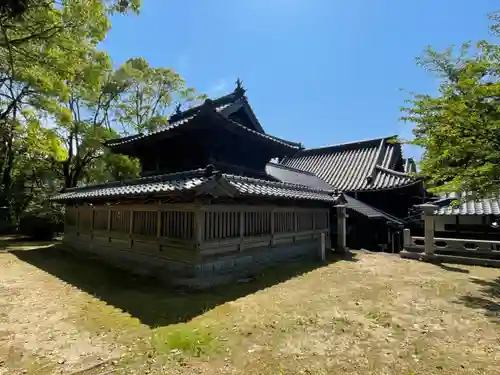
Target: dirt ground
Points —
{"points": [[373, 314]]}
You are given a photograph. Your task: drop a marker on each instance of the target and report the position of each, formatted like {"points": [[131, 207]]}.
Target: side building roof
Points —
{"points": [[470, 207], [374, 164], [296, 176], [199, 182]]}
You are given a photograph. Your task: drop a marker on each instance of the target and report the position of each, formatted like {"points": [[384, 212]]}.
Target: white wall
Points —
{"points": [[440, 221]]}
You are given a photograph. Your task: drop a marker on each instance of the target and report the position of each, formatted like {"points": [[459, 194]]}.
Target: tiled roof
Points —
{"points": [[221, 106], [296, 176], [489, 206], [369, 211], [192, 180], [375, 164]]}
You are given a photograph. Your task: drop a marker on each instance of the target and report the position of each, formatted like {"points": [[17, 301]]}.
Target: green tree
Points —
{"points": [[459, 128], [146, 106], [82, 119], [42, 49]]}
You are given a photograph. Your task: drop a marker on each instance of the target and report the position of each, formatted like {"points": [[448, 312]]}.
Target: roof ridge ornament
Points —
{"points": [[178, 110], [239, 87]]}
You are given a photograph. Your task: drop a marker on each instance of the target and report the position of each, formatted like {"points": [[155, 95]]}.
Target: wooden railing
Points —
{"points": [[211, 228]]}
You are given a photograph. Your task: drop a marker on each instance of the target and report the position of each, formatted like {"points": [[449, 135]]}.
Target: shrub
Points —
{"points": [[40, 226]]}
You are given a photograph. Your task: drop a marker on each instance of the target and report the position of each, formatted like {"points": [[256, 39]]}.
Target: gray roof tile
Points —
{"points": [[488, 206], [179, 182], [375, 164]]}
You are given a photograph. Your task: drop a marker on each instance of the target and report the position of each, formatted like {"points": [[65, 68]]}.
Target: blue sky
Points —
{"points": [[316, 71]]}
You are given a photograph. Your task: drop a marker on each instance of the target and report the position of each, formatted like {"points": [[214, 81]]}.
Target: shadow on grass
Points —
{"points": [[452, 268], [489, 300], [152, 303]]}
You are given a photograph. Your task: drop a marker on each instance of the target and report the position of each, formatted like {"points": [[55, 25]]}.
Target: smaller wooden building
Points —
{"points": [[205, 210], [377, 182]]}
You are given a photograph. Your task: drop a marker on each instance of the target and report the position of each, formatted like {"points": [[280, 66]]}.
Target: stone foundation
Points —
{"points": [[200, 273]]}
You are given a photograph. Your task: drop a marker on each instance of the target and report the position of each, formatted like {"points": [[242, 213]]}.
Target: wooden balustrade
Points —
{"points": [[211, 228]]}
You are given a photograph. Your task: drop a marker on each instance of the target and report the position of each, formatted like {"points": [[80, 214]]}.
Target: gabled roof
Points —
{"points": [[487, 206], [202, 181], [233, 108], [374, 164]]}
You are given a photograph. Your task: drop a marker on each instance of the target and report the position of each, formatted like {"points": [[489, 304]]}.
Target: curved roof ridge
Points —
{"points": [[351, 143], [275, 183], [141, 180]]}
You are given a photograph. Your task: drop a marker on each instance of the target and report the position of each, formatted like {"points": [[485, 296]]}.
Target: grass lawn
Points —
{"points": [[373, 314]]}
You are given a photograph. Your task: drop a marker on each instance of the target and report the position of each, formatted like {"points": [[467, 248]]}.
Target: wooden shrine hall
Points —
{"points": [[204, 210], [377, 183]]}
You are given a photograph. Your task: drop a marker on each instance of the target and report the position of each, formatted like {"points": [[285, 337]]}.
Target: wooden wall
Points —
{"points": [[191, 232]]}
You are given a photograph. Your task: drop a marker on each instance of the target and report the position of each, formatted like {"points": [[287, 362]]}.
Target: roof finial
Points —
{"points": [[239, 87], [178, 109]]}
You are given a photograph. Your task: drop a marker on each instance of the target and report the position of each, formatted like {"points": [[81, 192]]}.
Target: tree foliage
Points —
{"points": [[61, 98], [459, 128]]}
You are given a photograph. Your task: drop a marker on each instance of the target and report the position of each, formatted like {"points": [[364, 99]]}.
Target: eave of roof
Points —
{"points": [[357, 166], [473, 207], [217, 107], [202, 181], [369, 211]]}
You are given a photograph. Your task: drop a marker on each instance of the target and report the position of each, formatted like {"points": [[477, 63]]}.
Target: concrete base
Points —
{"points": [[205, 272], [452, 259]]}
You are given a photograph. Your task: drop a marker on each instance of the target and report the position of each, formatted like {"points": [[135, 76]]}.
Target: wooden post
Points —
{"points": [[341, 229], [109, 224], [158, 224], [428, 214], [131, 227], [272, 226], [242, 228], [323, 246], [78, 221], [313, 223], [199, 224], [92, 214], [295, 224]]}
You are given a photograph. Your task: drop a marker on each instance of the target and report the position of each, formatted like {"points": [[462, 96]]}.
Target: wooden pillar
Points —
{"points": [[78, 220], [158, 224], [131, 228], [295, 224], [341, 229], [199, 225], [242, 228], [109, 224], [92, 214], [428, 215], [272, 226]]}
